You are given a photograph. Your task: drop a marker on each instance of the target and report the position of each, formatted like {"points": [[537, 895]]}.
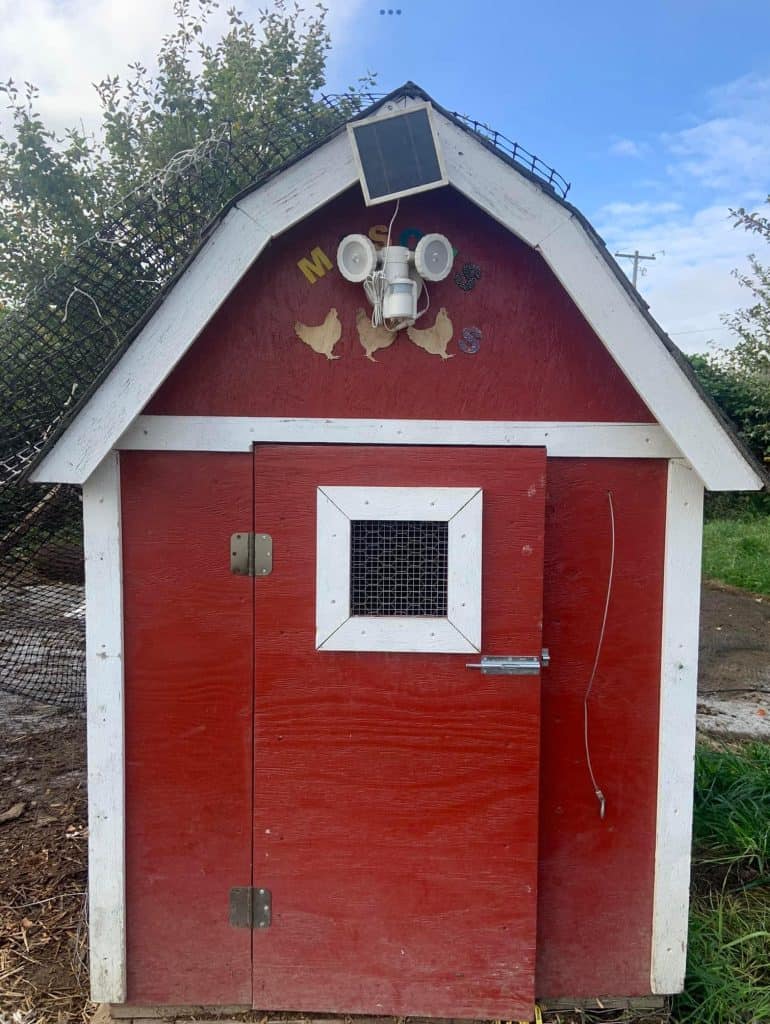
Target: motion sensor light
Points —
{"points": [[393, 276]]}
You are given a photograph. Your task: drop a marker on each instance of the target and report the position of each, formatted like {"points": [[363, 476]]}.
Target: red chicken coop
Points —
{"points": [[393, 513]]}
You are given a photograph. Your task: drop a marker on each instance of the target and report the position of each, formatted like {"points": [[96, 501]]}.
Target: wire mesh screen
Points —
{"points": [[398, 567], [67, 332]]}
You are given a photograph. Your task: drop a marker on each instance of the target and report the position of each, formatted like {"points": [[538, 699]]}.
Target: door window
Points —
{"points": [[398, 569]]}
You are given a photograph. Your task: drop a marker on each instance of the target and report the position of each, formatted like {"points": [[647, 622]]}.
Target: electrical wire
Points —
{"points": [[610, 577], [376, 282]]}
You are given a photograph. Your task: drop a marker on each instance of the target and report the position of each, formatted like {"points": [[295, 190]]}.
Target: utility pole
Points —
{"points": [[636, 257]]}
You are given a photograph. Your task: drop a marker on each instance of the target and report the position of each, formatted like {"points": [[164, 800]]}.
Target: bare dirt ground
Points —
{"points": [[43, 834], [734, 674]]}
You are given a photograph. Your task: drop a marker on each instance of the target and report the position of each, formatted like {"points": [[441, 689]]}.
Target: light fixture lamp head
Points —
{"points": [[433, 257], [356, 258]]}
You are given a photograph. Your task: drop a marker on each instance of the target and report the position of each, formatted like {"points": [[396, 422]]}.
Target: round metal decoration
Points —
{"points": [[470, 340], [467, 277]]}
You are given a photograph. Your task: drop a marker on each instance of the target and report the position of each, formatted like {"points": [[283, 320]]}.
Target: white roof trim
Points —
{"points": [[520, 205]]}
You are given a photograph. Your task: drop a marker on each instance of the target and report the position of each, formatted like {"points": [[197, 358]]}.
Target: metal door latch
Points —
{"points": [[512, 664], [251, 554]]}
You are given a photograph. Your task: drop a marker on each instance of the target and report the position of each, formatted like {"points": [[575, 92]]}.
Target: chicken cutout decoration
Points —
{"points": [[436, 338], [322, 337], [372, 338]]}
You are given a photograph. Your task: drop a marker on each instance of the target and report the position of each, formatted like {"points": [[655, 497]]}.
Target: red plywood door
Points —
{"points": [[395, 795]]}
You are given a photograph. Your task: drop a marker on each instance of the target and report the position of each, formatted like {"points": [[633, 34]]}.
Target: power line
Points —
{"points": [[700, 330]]}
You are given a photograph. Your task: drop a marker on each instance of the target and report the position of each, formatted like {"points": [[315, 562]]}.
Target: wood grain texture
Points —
{"points": [[596, 877], [395, 817], [539, 359], [188, 642]]}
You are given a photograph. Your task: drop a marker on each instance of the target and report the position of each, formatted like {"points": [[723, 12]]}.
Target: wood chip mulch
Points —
{"points": [[43, 842]]}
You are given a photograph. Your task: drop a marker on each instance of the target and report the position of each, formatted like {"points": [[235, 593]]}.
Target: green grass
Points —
{"points": [[728, 962], [737, 551]]}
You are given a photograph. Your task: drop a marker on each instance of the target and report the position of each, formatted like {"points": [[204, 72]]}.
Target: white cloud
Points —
{"points": [[65, 47], [711, 164], [627, 147], [690, 285]]}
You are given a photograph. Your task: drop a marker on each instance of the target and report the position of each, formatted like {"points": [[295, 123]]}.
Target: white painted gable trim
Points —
{"points": [[517, 203], [229, 252]]}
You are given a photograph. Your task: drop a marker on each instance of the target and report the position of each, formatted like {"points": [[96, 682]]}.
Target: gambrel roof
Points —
{"points": [[520, 201]]}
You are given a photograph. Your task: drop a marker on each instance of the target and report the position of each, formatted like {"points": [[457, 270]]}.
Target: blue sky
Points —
{"points": [[658, 113]]}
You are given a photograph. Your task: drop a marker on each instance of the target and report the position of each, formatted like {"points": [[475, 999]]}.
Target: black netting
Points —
{"points": [[398, 567], [69, 330]]}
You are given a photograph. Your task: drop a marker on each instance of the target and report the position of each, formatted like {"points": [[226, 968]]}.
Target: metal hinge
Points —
{"points": [[251, 554], [250, 907]]}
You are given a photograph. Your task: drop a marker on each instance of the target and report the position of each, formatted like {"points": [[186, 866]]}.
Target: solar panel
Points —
{"points": [[397, 155]]}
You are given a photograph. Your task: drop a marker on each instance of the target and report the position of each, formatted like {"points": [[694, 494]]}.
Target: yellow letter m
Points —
{"points": [[316, 266]]}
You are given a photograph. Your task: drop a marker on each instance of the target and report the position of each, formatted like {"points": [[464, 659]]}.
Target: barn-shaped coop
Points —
{"points": [[393, 524]]}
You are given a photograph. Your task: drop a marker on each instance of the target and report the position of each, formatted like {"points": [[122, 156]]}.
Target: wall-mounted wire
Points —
{"points": [[600, 642], [376, 282]]}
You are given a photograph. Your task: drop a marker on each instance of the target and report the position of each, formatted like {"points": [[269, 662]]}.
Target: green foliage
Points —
{"points": [[752, 324], [728, 972], [732, 807], [728, 961], [744, 395], [738, 378], [52, 190], [737, 551]]}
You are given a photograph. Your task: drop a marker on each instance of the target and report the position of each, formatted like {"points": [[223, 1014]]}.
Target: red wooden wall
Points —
{"points": [[538, 360]]}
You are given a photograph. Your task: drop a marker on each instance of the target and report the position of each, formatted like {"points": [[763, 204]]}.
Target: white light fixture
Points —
{"points": [[433, 257], [393, 276], [356, 258]]}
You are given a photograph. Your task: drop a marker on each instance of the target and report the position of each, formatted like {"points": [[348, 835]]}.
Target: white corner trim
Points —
{"points": [[457, 633], [676, 745], [238, 433], [106, 764], [520, 205]]}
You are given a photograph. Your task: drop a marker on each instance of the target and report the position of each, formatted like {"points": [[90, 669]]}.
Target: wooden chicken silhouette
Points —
{"points": [[322, 337], [372, 338], [436, 338]]}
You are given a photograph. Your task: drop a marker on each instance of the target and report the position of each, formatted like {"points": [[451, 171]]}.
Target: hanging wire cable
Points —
{"points": [[375, 284], [610, 576]]}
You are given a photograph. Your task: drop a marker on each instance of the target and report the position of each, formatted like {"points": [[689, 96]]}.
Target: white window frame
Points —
{"points": [[459, 632]]}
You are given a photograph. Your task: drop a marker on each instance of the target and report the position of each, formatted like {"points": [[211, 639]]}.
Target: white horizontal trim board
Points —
{"points": [[520, 205], [238, 433], [676, 744], [104, 684], [459, 632]]}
